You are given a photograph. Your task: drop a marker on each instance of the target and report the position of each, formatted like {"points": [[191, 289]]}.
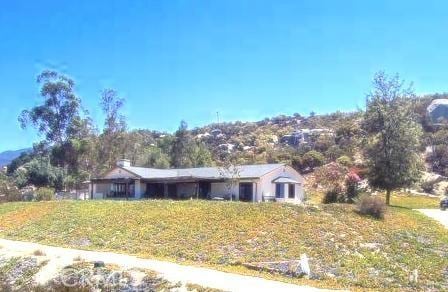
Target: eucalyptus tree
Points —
{"points": [[56, 117]]}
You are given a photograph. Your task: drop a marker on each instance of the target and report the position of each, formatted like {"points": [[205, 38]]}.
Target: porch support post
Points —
{"points": [[197, 190], [93, 189], [165, 190], [137, 189], [254, 192], [127, 190]]}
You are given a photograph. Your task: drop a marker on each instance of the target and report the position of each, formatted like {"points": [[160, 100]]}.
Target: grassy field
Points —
{"points": [[398, 199], [345, 249]]}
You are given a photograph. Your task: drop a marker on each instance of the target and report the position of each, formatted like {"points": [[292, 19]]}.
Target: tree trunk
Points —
{"points": [[388, 197]]}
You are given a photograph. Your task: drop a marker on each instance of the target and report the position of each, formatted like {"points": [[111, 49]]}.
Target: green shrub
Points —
{"points": [[334, 195], [8, 191], [428, 186], [345, 161], [372, 206], [45, 194], [313, 159], [351, 186]]}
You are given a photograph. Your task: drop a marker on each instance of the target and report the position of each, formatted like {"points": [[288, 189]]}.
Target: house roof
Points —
{"points": [[245, 171]]}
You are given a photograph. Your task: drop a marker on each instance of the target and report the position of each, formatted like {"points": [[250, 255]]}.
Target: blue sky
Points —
{"points": [[176, 60]]}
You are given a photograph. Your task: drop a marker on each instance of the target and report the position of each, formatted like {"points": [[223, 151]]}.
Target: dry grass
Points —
{"points": [[14, 215], [346, 250], [406, 200], [398, 199]]}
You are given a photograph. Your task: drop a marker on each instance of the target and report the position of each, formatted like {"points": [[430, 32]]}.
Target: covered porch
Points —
{"points": [[174, 189]]}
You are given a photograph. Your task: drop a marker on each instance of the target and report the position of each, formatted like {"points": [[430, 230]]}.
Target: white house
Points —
{"points": [[251, 183]]}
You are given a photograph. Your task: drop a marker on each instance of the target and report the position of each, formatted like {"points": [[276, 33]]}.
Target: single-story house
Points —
{"points": [[252, 183]]}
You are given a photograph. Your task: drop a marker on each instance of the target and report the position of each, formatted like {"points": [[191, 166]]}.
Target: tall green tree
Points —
{"points": [[187, 152], [200, 155], [393, 135], [56, 117], [111, 104], [180, 147], [112, 140]]}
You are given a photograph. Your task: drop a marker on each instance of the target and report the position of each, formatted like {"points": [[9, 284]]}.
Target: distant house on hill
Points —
{"points": [[254, 183], [303, 136]]}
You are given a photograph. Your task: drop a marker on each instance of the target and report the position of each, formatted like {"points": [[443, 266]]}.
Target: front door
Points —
{"points": [[172, 191], [204, 190], [246, 192]]}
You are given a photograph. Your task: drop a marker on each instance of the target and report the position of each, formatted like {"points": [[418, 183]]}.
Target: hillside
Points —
{"points": [[279, 139], [7, 156], [304, 142], [346, 250]]}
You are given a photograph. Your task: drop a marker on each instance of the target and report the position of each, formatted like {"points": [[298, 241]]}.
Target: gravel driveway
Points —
{"points": [[60, 257], [436, 214]]}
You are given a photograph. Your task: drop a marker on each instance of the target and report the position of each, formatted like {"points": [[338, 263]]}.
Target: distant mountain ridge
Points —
{"points": [[7, 156]]}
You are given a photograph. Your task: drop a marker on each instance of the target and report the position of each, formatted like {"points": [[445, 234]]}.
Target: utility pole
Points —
{"points": [[217, 115]]}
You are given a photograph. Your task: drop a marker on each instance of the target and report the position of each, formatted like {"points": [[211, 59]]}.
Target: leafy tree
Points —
{"points": [[186, 152], [345, 160], [334, 152], [232, 174], [297, 163], [8, 190], [393, 135], [180, 147], [154, 157], [199, 155], [111, 105], [112, 140], [41, 173], [323, 142], [23, 158], [56, 117]]}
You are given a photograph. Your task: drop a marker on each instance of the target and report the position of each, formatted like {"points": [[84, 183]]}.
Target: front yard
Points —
{"points": [[345, 249]]}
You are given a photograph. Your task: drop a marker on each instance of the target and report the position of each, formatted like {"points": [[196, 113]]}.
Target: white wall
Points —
{"points": [[221, 190], [267, 188], [138, 189], [100, 190]]}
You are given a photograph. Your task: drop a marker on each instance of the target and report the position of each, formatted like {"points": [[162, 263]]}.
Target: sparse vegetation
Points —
{"points": [[428, 186], [16, 274], [337, 239], [45, 194], [199, 288]]}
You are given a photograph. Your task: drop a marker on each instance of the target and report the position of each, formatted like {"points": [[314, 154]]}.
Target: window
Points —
{"points": [[291, 191], [280, 191], [119, 190], [122, 190]]}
